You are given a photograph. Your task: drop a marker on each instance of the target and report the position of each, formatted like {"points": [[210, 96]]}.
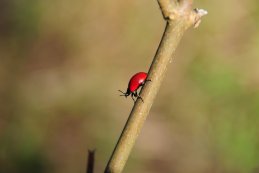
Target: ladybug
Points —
{"points": [[136, 81]]}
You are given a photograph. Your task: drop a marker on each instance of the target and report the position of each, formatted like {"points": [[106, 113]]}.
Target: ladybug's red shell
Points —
{"points": [[136, 81]]}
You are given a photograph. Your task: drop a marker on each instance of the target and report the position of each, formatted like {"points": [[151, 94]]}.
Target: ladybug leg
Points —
{"points": [[132, 96], [138, 96], [143, 83], [147, 80], [141, 99]]}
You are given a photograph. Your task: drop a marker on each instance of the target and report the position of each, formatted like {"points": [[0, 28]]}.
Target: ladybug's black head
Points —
{"points": [[126, 94]]}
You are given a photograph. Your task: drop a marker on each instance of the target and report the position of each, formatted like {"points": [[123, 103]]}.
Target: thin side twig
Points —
{"points": [[90, 161]]}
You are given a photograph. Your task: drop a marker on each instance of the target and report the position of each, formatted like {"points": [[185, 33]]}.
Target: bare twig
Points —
{"points": [[90, 161], [180, 17]]}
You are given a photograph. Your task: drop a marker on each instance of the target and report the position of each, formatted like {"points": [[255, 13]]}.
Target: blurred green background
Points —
{"points": [[62, 62]]}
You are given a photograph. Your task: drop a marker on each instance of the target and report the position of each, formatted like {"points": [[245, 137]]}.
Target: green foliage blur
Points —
{"points": [[62, 62]]}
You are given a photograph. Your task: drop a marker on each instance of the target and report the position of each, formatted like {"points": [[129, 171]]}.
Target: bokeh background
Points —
{"points": [[62, 62]]}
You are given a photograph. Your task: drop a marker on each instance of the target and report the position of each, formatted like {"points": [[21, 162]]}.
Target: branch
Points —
{"points": [[167, 7], [186, 4], [179, 18]]}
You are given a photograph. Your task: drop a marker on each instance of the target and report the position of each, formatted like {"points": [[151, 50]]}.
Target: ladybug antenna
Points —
{"points": [[124, 94]]}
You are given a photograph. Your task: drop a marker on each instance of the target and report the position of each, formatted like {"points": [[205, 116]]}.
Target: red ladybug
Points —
{"points": [[136, 81]]}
